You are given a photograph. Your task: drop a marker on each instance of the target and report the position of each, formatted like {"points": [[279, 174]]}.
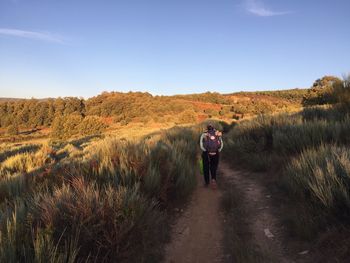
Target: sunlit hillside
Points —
{"points": [[97, 180], [64, 118]]}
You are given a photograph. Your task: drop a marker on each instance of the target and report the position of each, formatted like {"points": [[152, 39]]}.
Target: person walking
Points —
{"points": [[211, 145]]}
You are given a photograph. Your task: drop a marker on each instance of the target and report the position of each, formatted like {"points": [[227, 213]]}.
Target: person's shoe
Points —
{"points": [[213, 184], [206, 185]]}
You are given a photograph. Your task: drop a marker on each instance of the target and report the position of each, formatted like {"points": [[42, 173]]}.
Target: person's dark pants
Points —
{"points": [[210, 164]]}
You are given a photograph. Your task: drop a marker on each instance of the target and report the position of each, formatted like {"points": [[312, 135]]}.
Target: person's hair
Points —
{"points": [[210, 127]]}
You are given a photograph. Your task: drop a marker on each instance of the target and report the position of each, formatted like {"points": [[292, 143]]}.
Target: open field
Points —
{"points": [[88, 188]]}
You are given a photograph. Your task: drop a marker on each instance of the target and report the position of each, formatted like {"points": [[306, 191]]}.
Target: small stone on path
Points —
{"points": [[268, 233]]}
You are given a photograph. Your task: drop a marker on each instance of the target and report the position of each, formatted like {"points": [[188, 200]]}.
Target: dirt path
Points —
{"points": [[198, 234], [267, 233]]}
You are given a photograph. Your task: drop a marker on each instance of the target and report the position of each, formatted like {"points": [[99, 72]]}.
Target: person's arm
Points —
{"points": [[201, 142], [221, 144]]}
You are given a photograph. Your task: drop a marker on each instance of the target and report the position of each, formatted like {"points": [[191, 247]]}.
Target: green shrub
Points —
{"points": [[322, 91], [64, 127], [342, 92], [58, 128], [91, 125]]}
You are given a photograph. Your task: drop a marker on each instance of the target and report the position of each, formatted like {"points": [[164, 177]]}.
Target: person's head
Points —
{"points": [[210, 127]]}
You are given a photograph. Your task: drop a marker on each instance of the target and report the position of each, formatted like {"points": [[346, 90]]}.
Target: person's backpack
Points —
{"points": [[212, 141]]}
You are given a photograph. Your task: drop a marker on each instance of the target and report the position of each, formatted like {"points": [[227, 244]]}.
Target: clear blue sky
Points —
{"points": [[51, 48]]}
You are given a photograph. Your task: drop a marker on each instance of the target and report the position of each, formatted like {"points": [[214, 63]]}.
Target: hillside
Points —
{"points": [[116, 108], [78, 185]]}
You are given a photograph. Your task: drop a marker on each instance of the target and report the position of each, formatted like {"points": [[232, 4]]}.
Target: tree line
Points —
{"points": [[123, 108]]}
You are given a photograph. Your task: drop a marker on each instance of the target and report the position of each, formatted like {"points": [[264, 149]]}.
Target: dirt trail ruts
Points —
{"points": [[264, 226], [197, 235]]}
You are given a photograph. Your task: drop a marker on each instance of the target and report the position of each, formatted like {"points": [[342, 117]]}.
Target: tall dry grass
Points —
{"points": [[306, 156], [258, 143], [104, 202], [7, 151], [320, 178], [27, 161]]}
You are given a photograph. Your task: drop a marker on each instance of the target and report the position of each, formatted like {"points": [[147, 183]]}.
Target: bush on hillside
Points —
{"points": [[91, 125], [342, 92], [322, 91], [71, 125], [58, 128], [65, 127]]}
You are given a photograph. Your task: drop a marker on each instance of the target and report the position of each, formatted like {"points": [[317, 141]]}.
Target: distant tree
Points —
{"points": [[59, 105], [50, 113], [70, 124], [74, 105], [58, 128], [322, 91], [91, 125], [342, 92], [23, 116]]}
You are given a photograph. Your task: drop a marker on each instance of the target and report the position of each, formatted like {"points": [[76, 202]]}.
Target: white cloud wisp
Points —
{"points": [[43, 36], [258, 8]]}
